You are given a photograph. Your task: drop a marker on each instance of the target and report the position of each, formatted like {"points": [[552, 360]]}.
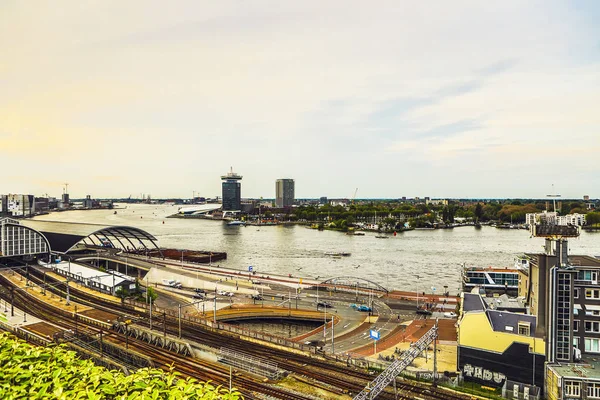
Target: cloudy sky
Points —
{"points": [[398, 98]]}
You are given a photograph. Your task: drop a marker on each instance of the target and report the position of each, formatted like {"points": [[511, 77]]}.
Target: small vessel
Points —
{"points": [[337, 254], [235, 223], [382, 237]]}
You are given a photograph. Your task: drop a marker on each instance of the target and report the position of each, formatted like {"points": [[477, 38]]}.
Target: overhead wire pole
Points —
{"points": [[398, 366]]}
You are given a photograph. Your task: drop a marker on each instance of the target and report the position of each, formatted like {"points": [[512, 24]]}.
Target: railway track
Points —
{"points": [[195, 368], [341, 378]]}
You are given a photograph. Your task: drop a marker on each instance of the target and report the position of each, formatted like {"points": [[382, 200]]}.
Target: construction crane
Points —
{"points": [[553, 196], [354, 196]]}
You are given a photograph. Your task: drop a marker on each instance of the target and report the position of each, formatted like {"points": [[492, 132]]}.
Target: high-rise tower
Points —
{"points": [[284, 192], [232, 191]]}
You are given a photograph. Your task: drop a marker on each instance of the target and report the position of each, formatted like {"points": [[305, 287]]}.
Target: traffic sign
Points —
{"points": [[249, 268], [373, 334]]}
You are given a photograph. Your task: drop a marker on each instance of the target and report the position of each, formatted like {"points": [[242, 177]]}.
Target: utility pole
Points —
{"points": [[150, 312], [165, 326], [68, 296], [332, 348], [179, 317], [435, 355]]}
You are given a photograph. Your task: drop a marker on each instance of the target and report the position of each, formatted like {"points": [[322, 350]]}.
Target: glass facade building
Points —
{"points": [[284, 192]]}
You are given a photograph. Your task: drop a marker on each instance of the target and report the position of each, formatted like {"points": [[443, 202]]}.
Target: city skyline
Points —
{"points": [[453, 101]]}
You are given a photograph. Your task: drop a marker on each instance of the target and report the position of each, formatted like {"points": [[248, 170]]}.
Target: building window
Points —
{"points": [[575, 342], [592, 345], [575, 325], [592, 293], [573, 388], [524, 328], [593, 390], [576, 293], [592, 326]]}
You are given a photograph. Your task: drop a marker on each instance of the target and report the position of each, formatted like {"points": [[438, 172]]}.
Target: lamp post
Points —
{"points": [[418, 277], [68, 296]]}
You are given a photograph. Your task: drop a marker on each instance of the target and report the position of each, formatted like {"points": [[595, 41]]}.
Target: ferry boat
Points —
{"points": [[337, 254], [235, 223], [499, 280]]}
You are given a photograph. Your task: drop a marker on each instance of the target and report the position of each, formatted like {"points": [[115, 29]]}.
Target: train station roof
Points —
{"points": [[63, 236]]}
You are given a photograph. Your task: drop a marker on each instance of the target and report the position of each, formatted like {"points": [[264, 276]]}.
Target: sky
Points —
{"points": [[396, 98]]}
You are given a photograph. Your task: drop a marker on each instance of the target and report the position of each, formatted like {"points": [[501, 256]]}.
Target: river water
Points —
{"points": [[435, 256]]}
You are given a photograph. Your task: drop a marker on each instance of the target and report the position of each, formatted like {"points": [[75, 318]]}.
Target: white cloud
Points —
{"points": [[328, 93]]}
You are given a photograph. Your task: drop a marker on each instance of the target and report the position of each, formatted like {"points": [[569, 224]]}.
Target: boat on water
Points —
{"points": [[236, 223], [336, 254], [382, 237]]}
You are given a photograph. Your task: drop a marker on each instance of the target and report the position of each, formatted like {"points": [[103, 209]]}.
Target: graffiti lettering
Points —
{"points": [[483, 374]]}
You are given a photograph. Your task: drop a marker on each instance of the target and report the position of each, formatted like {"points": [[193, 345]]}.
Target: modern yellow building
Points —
{"points": [[496, 346]]}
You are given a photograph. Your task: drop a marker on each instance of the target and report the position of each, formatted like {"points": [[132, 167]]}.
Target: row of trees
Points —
{"points": [[394, 214]]}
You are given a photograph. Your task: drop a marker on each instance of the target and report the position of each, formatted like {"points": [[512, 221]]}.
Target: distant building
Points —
{"points": [[41, 205], [586, 198], [17, 240], [284, 192], [17, 205], [543, 218], [438, 202], [88, 202], [232, 191], [571, 219], [552, 218], [323, 200], [3, 205]]}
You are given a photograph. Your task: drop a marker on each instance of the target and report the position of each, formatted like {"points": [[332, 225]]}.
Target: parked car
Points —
{"points": [[256, 297], [230, 294], [450, 314], [222, 293], [200, 291], [198, 296], [324, 304]]}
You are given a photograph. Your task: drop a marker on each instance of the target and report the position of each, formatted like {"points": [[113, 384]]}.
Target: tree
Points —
{"points": [[478, 212], [592, 218], [152, 295]]}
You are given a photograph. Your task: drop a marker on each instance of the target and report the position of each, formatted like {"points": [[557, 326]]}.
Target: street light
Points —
{"points": [[418, 277]]}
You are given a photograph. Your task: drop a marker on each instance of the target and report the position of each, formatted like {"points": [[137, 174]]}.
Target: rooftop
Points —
{"points": [[555, 230], [108, 278], [505, 302], [589, 368], [504, 321], [473, 302]]}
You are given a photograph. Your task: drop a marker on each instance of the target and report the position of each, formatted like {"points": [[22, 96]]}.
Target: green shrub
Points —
{"points": [[54, 372]]}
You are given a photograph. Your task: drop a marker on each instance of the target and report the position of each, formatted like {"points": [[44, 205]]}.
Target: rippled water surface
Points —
{"points": [[435, 256]]}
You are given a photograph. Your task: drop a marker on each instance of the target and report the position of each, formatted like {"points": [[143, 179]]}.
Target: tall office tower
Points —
{"points": [[232, 191], [284, 192]]}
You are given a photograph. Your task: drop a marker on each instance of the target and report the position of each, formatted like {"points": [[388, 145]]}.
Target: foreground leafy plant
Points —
{"points": [[28, 371]]}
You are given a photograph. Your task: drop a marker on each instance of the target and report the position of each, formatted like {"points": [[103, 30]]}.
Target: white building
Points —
{"points": [[543, 218], [436, 202], [107, 282], [17, 205], [17, 240], [552, 218], [571, 219]]}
